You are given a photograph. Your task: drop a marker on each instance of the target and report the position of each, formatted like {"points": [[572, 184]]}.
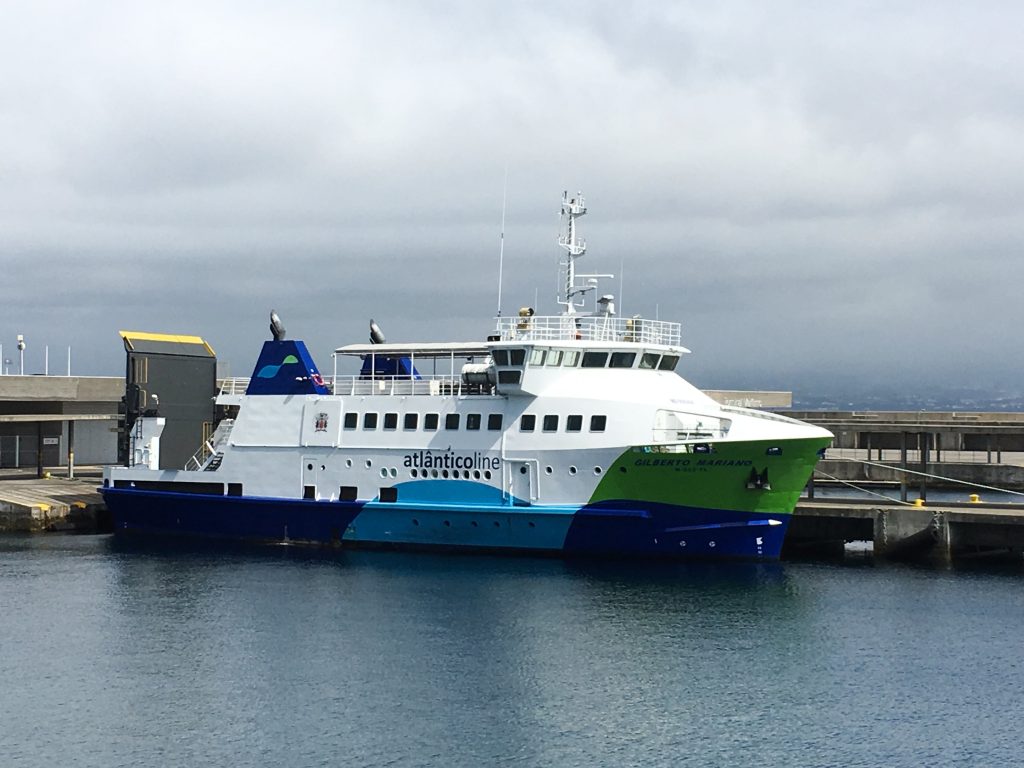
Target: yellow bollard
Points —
{"points": [[975, 498], [918, 502]]}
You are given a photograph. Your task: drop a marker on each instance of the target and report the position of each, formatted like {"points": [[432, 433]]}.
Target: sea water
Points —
{"points": [[137, 653]]}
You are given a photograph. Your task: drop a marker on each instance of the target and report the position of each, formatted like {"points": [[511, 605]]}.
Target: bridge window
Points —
{"points": [[551, 423], [430, 422], [527, 422], [574, 423], [494, 422], [369, 421], [554, 357], [516, 356], [668, 363], [649, 360], [390, 421], [537, 356], [597, 423], [571, 358], [500, 356], [622, 359], [451, 421], [473, 421], [351, 420], [509, 377], [412, 420], [595, 359]]}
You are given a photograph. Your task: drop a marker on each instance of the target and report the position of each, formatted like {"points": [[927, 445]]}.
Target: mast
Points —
{"points": [[572, 210], [574, 247]]}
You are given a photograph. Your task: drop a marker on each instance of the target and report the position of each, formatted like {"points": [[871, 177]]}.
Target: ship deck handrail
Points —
{"points": [[428, 385], [593, 328]]}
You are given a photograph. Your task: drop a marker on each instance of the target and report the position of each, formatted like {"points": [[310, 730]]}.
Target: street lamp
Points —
{"points": [[7, 366], [21, 354]]}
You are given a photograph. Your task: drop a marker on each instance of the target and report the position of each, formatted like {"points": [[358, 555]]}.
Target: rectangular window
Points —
{"points": [[390, 421], [309, 491], [351, 420], [668, 363], [537, 356], [622, 359], [571, 358], [595, 359], [555, 357], [494, 422], [451, 421], [369, 421], [430, 422], [473, 421], [650, 360], [509, 377], [551, 423], [348, 493], [389, 494], [500, 356], [412, 420], [574, 423], [597, 423], [234, 489], [516, 356], [527, 422]]}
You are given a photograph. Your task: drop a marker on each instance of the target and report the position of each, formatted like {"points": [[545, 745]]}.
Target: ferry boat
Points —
{"points": [[565, 434]]}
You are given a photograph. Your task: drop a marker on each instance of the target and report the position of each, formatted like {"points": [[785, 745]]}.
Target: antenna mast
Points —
{"points": [[501, 245], [572, 209]]}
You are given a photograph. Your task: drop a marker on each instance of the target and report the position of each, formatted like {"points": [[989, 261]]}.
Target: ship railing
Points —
{"points": [[687, 436], [592, 328], [435, 385], [210, 447], [440, 385]]}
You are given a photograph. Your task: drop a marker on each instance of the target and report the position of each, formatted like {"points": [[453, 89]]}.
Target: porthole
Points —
{"points": [[369, 463], [522, 470], [383, 472], [455, 474], [323, 467], [444, 473], [309, 466], [348, 462], [572, 470], [548, 470], [433, 473], [476, 474], [487, 474], [597, 470], [394, 472], [414, 472]]}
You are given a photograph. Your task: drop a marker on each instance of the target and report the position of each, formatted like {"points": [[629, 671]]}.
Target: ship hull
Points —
{"points": [[608, 528]]}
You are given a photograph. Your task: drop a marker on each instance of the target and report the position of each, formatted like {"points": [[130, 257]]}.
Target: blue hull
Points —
{"points": [[608, 529]]}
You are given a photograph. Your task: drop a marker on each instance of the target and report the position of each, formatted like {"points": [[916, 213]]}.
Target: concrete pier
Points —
{"points": [[937, 533], [32, 505]]}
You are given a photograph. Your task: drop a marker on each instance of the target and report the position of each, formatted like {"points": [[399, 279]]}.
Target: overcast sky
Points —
{"points": [[814, 190]]}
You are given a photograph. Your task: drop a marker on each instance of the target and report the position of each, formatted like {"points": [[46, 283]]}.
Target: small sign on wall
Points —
{"points": [[51, 441]]}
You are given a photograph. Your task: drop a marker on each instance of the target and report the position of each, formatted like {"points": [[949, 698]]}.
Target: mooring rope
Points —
{"points": [[863, 490], [926, 474]]}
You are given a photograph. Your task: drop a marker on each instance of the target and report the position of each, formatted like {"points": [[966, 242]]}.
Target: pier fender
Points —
{"points": [[910, 533]]}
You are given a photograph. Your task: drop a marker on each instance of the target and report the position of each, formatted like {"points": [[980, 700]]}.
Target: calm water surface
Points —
{"points": [[121, 654]]}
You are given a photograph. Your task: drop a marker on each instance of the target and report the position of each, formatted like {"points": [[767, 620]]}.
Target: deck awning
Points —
{"points": [[426, 349]]}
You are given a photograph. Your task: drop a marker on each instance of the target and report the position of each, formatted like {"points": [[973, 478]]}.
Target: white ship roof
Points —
{"points": [[424, 349]]}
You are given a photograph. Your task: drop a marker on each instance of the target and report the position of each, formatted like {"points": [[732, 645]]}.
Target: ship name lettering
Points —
{"points": [[450, 460]]}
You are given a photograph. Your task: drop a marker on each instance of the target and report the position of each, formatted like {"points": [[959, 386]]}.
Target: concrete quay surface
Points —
{"points": [[939, 532], [29, 504]]}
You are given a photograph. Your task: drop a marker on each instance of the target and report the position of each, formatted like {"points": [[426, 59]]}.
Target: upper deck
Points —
{"points": [[588, 328]]}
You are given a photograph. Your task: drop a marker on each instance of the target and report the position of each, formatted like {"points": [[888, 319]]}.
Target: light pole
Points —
{"points": [[21, 354], [7, 366]]}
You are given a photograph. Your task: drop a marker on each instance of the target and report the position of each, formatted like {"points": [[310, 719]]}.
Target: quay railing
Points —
{"points": [[589, 328]]}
